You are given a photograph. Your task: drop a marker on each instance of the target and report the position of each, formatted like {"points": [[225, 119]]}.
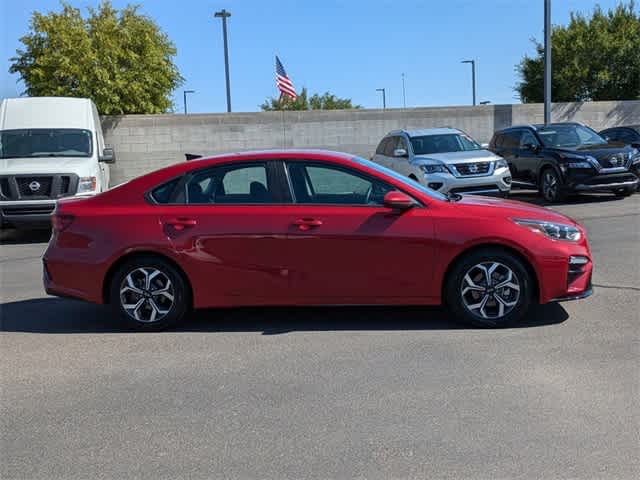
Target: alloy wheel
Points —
{"points": [[146, 294], [490, 290], [550, 186]]}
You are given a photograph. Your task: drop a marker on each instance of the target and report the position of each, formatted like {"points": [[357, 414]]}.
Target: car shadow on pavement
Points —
{"points": [[24, 237], [530, 196], [56, 315]]}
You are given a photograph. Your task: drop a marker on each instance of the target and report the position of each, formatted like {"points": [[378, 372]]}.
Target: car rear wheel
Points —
{"points": [[489, 288], [551, 186], [149, 293]]}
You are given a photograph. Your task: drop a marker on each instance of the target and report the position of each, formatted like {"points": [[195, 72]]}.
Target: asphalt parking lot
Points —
{"points": [[331, 392]]}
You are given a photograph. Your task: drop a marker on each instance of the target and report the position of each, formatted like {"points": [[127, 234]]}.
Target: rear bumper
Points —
{"points": [[26, 214]]}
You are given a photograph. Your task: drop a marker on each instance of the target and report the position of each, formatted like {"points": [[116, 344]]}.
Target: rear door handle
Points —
{"points": [[181, 223], [307, 223]]}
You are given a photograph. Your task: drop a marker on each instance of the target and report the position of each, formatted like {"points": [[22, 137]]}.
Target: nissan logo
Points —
{"points": [[34, 186], [473, 168], [614, 160]]}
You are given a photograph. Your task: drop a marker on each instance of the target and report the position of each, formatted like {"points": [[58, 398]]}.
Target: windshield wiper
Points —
{"points": [[453, 197]]}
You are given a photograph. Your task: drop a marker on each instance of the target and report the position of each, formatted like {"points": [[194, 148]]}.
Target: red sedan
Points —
{"points": [[308, 228]]}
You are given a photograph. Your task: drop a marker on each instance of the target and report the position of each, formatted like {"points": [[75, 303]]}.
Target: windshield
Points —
{"points": [[45, 142], [563, 136], [401, 178], [451, 142]]}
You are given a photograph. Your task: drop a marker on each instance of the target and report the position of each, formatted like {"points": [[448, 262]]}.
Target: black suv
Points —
{"points": [[560, 158]]}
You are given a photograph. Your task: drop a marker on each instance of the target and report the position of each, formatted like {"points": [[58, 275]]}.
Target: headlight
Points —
{"points": [[635, 156], [556, 231], [502, 163], [579, 165], [434, 169], [87, 185]]}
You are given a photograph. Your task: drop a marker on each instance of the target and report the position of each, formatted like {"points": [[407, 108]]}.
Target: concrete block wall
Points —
{"points": [[147, 142]]}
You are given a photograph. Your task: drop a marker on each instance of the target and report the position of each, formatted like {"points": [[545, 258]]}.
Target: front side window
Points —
{"points": [[390, 146], [527, 138], [450, 142], [569, 136], [322, 184], [238, 184], [45, 142]]}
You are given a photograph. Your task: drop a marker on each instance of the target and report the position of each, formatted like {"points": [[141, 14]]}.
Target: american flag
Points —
{"points": [[282, 81]]}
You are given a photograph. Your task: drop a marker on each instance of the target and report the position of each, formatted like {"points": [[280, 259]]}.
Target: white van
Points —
{"points": [[50, 147]]}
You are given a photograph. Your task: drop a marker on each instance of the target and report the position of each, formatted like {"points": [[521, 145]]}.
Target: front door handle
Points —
{"points": [[181, 223], [307, 223]]}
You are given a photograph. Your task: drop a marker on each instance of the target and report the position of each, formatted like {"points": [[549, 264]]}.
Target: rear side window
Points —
{"points": [[511, 139], [235, 184], [164, 193]]}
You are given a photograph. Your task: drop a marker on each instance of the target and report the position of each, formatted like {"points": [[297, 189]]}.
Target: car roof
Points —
{"points": [[535, 126], [424, 132], [632, 127]]}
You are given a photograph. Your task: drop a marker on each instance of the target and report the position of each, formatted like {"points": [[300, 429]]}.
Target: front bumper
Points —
{"points": [[26, 214], [498, 183], [605, 182]]}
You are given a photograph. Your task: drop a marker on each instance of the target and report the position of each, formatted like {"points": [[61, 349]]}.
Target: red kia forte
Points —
{"points": [[308, 228]]}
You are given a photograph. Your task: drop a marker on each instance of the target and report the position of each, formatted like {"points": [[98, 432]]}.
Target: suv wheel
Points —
{"points": [[489, 288], [623, 192], [551, 186], [149, 294]]}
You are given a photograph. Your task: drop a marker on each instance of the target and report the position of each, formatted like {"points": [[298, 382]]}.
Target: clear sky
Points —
{"points": [[347, 47]]}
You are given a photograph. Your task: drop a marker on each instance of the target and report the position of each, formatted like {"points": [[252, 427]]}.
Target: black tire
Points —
{"points": [[550, 186], [456, 284], [624, 192], [168, 312]]}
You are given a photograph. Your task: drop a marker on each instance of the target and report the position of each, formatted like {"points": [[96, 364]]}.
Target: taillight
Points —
{"points": [[60, 222]]}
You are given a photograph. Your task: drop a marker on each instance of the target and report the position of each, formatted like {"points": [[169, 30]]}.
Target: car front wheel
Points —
{"points": [[149, 293], [551, 186], [489, 288]]}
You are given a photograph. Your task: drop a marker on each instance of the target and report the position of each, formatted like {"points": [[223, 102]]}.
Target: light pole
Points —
{"points": [[384, 97], [547, 61], [404, 96], [184, 94], [224, 15], [473, 77]]}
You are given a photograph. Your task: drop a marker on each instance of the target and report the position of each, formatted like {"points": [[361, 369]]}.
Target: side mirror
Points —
{"points": [[398, 200], [485, 146], [400, 152], [108, 155]]}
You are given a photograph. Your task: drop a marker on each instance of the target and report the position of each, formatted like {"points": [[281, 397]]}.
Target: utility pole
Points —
{"points": [[384, 97], [473, 77], [184, 93], [547, 62], [224, 15]]}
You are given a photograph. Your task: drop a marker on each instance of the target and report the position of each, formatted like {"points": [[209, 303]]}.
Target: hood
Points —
{"points": [[597, 151], [489, 207], [46, 165], [471, 156]]}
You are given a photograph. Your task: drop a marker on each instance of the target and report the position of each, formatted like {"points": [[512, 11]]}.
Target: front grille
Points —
{"points": [[37, 187], [616, 160], [466, 169], [31, 210], [34, 186], [610, 178]]}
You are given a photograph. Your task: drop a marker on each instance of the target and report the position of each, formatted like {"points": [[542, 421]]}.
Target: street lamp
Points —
{"points": [[223, 14], [547, 62], [384, 97], [473, 77], [184, 94]]}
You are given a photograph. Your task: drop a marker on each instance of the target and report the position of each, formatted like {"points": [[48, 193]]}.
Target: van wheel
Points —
{"points": [[489, 288], [149, 294], [551, 186]]}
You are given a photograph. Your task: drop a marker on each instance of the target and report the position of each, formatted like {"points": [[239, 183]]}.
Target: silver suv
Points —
{"points": [[446, 160]]}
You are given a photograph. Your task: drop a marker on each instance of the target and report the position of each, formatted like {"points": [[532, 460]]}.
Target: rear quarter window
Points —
{"points": [[164, 192]]}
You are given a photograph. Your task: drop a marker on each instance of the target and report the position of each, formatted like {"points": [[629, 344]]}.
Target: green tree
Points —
{"points": [[120, 59], [594, 58], [327, 101]]}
